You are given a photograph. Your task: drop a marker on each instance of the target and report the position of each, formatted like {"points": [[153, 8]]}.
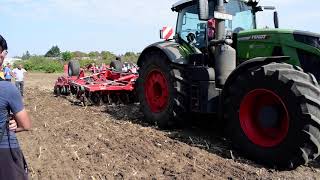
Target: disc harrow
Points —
{"points": [[108, 86]]}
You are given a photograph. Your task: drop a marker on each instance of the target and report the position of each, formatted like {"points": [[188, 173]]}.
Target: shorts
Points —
{"points": [[13, 165]]}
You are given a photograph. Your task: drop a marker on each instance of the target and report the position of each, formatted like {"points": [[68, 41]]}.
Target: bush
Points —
{"points": [[66, 56], [86, 62], [41, 64]]}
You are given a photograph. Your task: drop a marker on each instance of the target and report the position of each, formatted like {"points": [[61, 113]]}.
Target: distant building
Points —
{"points": [[11, 60]]}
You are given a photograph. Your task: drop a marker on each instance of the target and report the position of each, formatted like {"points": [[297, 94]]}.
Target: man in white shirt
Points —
{"points": [[19, 76]]}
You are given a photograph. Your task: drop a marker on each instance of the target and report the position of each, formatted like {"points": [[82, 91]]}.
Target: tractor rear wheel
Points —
{"points": [[161, 91], [273, 115], [74, 68]]}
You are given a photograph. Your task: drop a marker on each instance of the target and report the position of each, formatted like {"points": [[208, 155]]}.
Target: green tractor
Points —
{"points": [[269, 108]]}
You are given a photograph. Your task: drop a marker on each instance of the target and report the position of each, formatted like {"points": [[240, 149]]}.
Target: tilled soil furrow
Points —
{"points": [[74, 142]]}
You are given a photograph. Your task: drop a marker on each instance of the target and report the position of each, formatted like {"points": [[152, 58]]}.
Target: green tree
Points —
{"points": [[131, 57], [26, 56], [67, 56], [53, 52], [94, 55], [79, 54], [108, 56]]}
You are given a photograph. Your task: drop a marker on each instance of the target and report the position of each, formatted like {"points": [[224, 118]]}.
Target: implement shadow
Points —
{"points": [[73, 100]]}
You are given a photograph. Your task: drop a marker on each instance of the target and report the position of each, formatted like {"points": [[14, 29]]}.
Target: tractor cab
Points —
{"points": [[190, 29], [241, 17]]}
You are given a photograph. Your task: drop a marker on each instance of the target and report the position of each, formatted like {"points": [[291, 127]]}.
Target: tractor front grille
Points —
{"points": [[310, 63]]}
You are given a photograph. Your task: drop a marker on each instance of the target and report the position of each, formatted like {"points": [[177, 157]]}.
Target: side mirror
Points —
{"points": [[166, 33], [276, 19], [203, 9], [268, 7]]}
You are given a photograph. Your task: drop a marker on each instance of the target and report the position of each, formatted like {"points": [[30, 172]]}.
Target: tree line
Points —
{"points": [[54, 59], [55, 53]]}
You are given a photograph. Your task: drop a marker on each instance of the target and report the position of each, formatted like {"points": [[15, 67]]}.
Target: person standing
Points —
{"points": [[8, 72], [12, 162], [19, 74]]}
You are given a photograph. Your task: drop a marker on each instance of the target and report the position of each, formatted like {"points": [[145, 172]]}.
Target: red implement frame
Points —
{"points": [[100, 84]]}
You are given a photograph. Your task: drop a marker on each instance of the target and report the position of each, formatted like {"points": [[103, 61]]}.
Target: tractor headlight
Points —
{"points": [[309, 40]]}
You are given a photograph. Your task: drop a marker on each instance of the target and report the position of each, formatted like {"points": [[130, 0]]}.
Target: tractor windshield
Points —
{"points": [[243, 18], [189, 25]]}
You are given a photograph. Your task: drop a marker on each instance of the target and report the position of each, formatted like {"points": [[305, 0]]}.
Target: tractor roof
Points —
{"points": [[184, 3], [181, 4]]}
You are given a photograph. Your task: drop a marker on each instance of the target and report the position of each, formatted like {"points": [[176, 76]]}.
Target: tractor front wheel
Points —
{"points": [[161, 90], [273, 115]]}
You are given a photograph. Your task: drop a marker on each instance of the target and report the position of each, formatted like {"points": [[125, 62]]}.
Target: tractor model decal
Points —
{"points": [[254, 37]]}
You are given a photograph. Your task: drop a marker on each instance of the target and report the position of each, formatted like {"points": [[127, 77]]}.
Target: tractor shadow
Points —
{"points": [[198, 130]]}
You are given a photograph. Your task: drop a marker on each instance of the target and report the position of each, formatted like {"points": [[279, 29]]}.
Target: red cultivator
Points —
{"points": [[108, 86]]}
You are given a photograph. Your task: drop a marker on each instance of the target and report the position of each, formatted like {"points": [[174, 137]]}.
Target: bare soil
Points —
{"points": [[69, 141]]}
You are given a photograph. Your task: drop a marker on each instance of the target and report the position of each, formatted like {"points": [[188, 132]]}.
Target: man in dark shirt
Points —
{"points": [[12, 162]]}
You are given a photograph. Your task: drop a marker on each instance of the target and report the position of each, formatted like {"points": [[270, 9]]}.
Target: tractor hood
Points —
{"points": [[278, 42], [308, 38], [259, 33], [302, 47]]}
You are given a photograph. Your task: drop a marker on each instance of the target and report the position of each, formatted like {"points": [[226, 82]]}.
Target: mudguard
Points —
{"points": [[175, 52], [259, 61]]}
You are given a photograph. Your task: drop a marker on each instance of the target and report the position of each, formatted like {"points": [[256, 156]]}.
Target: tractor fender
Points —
{"points": [[259, 61], [171, 49]]}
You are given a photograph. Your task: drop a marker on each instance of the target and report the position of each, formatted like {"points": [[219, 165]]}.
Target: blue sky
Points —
{"points": [[115, 25]]}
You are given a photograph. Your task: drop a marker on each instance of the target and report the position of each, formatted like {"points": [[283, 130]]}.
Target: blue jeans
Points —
{"points": [[13, 164], [20, 85]]}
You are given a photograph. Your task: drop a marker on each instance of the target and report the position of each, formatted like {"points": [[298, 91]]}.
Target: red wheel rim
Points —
{"points": [[252, 104], [156, 91]]}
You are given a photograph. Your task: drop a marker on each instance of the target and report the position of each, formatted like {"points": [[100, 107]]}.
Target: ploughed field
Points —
{"points": [[69, 141]]}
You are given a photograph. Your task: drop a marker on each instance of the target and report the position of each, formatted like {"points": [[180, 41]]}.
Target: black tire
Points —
{"points": [[74, 68], [299, 93], [116, 65], [61, 92], [56, 91], [73, 90], [175, 107], [67, 91], [64, 90], [95, 99], [105, 99]]}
